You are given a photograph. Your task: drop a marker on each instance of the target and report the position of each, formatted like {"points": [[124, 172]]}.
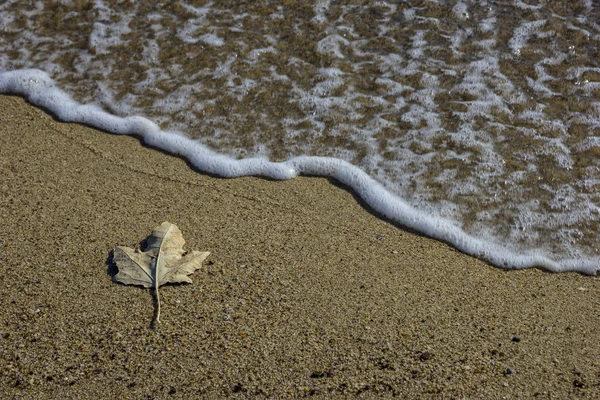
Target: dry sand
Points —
{"points": [[306, 293]]}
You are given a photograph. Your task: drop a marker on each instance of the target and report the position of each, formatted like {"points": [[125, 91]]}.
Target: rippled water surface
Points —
{"points": [[485, 112]]}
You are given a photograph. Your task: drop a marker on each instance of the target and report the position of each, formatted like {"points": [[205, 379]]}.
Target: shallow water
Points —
{"points": [[485, 113]]}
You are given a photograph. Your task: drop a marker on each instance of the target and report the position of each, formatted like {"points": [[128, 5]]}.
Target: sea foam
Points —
{"points": [[39, 89]]}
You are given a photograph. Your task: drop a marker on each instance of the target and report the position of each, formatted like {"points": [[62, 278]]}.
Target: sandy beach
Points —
{"points": [[305, 293]]}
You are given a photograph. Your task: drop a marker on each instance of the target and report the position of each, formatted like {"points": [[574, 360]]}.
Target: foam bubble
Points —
{"points": [[331, 45], [212, 39], [522, 34], [461, 11]]}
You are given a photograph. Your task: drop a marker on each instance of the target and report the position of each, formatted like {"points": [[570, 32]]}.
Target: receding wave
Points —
{"points": [[38, 88]]}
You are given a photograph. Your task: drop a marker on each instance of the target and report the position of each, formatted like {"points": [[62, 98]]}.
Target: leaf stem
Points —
{"points": [[157, 295]]}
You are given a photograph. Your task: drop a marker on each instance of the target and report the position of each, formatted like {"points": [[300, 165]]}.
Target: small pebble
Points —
{"points": [[516, 339], [578, 384], [508, 371], [238, 387]]}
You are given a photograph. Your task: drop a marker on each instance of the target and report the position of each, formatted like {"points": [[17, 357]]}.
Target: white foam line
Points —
{"points": [[39, 89]]}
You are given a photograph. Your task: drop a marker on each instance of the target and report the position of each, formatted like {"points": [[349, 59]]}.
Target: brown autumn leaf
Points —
{"points": [[161, 261]]}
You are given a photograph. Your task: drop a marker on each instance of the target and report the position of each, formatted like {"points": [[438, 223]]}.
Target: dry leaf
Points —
{"points": [[161, 261]]}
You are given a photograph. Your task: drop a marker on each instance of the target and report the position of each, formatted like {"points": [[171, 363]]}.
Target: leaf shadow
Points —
{"points": [[112, 270], [111, 266], [154, 321]]}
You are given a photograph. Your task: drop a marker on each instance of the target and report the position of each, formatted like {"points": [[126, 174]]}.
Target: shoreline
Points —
{"points": [[305, 291], [372, 193]]}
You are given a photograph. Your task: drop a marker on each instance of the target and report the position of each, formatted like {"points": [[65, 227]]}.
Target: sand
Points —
{"points": [[306, 293]]}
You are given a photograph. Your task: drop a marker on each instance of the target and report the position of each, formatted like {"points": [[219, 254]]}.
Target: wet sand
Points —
{"points": [[305, 293]]}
